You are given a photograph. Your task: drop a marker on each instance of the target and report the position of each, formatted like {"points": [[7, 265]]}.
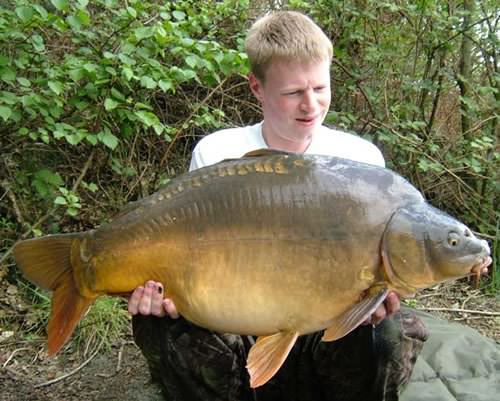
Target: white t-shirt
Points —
{"points": [[235, 142]]}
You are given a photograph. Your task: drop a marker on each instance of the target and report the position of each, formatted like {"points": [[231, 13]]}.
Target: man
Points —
{"points": [[290, 61]]}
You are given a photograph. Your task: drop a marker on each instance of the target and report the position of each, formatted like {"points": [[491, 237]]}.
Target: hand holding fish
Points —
{"points": [[390, 306], [148, 300]]}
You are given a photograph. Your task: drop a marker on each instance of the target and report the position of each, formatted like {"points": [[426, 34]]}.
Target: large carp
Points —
{"points": [[272, 244]]}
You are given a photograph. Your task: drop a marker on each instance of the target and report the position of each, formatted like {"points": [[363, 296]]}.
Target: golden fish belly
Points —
{"points": [[242, 285]]}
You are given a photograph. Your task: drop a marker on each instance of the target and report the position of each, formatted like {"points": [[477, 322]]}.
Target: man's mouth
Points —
{"points": [[306, 120]]}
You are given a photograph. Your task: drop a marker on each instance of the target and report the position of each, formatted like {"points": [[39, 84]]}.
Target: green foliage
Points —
{"points": [[76, 75]]}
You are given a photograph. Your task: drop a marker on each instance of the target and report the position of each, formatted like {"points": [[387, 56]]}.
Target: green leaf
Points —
{"points": [[165, 85], [74, 22], [108, 139], [24, 82], [192, 61], [159, 128], [143, 32], [61, 5], [73, 211], [179, 15], [126, 59], [42, 11], [92, 139], [77, 74], [131, 11], [5, 112], [7, 74], [128, 73], [110, 104], [91, 187], [117, 94], [147, 118], [148, 82], [49, 177], [83, 17], [38, 43], [60, 201], [56, 87], [25, 13]]}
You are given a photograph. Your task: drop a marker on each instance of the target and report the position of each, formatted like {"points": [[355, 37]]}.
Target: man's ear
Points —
{"points": [[255, 86]]}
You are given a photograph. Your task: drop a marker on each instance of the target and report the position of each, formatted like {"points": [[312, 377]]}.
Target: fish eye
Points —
{"points": [[453, 239]]}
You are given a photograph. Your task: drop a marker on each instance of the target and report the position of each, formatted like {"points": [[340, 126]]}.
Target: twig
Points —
{"points": [[12, 355], [477, 312], [120, 355], [358, 84], [193, 113], [57, 379], [12, 198]]}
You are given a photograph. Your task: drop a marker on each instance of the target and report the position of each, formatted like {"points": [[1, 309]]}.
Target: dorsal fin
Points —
{"points": [[266, 152]]}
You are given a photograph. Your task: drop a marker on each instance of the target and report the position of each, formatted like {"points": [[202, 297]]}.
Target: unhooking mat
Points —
{"points": [[456, 364]]}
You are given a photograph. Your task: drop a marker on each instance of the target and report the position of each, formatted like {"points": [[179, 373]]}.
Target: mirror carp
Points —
{"points": [[274, 245]]}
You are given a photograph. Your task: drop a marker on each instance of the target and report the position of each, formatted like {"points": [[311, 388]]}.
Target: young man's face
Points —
{"points": [[295, 98]]}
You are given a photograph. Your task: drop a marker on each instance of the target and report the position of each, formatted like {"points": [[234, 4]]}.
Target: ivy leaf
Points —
{"points": [[5, 112]]}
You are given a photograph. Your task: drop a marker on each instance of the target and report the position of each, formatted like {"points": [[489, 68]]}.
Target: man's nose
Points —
{"points": [[309, 101]]}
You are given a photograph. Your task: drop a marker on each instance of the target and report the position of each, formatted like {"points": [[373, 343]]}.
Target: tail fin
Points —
{"points": [[46, 262]]}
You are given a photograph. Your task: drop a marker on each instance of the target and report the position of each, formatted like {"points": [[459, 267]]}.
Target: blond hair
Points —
{"points": [[286, 35]]}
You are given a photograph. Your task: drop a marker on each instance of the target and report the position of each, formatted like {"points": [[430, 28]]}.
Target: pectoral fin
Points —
{"points": [[267, 355], [351, 319]]}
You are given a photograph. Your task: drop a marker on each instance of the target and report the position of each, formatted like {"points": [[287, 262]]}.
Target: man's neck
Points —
{"points": [[279, 143]]}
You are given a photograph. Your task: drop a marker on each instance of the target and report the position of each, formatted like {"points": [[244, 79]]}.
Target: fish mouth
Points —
{"points": [[481, 267]]}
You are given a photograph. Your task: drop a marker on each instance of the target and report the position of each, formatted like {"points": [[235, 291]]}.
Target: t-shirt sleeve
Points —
{"points": [[196, 160]]}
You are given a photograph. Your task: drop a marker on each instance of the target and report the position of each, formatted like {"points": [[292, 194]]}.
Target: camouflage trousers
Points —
{"points": [[371, 363]]}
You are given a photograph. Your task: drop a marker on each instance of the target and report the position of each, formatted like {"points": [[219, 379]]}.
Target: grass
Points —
{"points": [[104, 324]]}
